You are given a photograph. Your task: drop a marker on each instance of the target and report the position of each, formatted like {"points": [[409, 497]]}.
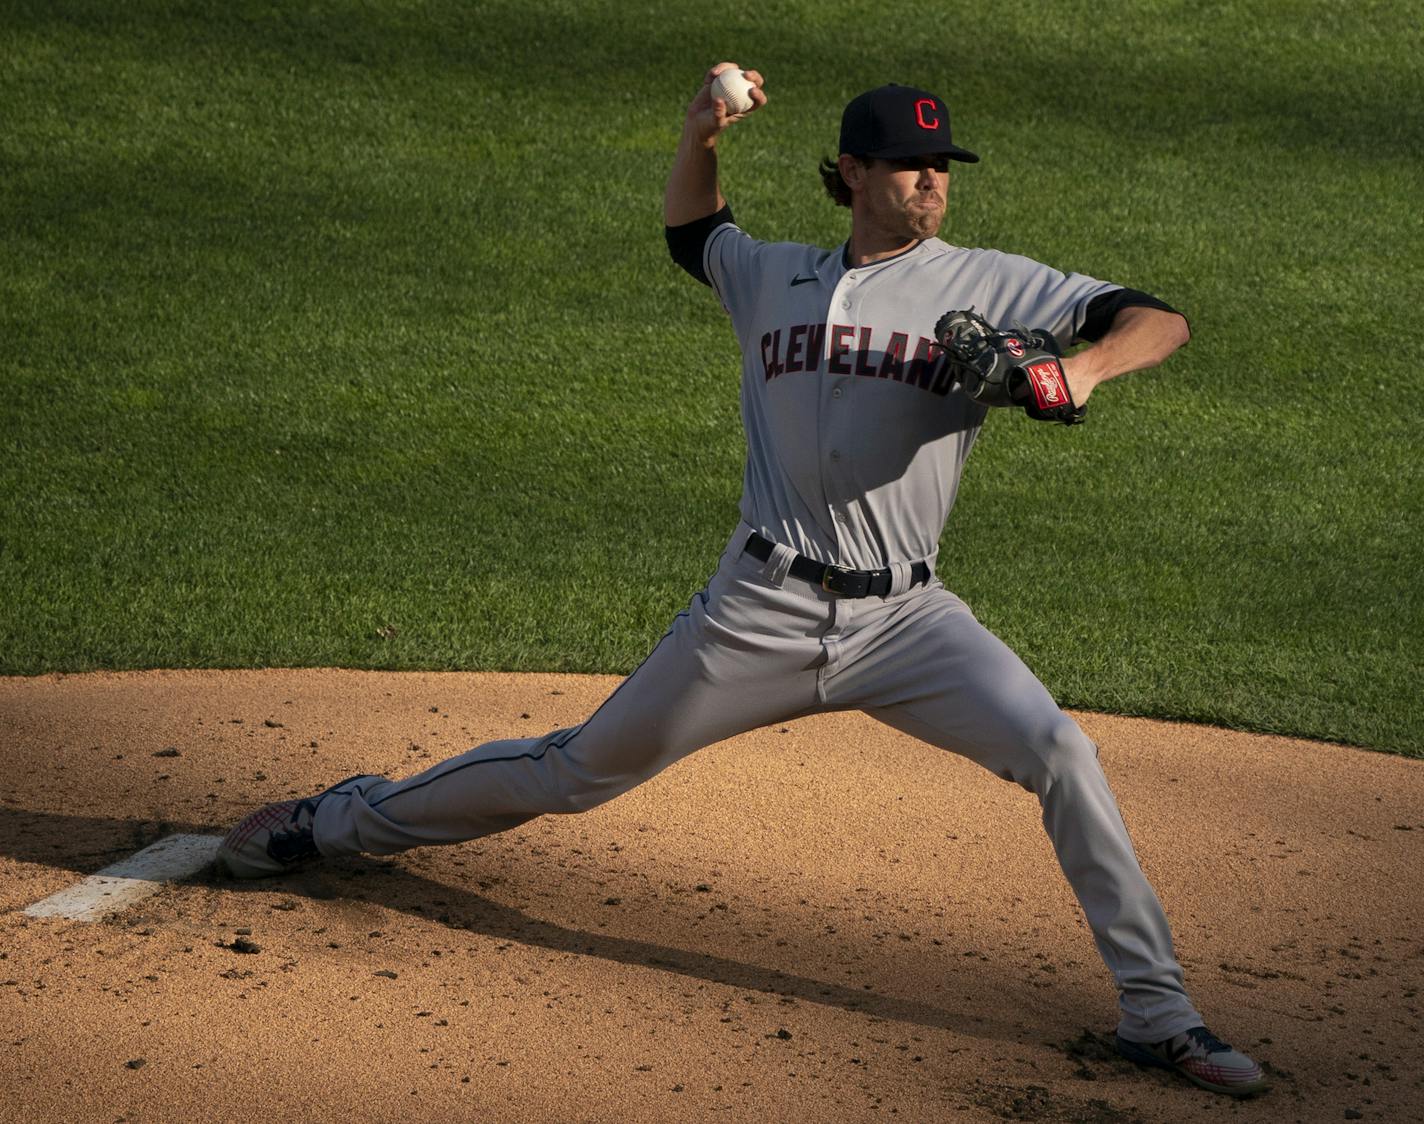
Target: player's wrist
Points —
{"points": [[1082, 375], [698, 133]]}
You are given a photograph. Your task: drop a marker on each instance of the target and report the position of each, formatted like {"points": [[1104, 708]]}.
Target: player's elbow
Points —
{"points": [[1167, 330], [1181, 331], [1170, 331]]}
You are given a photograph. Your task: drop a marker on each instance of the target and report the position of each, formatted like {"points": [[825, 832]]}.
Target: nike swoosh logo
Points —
{"points": [[803, 280]]}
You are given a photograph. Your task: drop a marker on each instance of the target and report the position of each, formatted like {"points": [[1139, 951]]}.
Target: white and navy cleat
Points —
{"points": [[276, 838], [1200, 1057]]}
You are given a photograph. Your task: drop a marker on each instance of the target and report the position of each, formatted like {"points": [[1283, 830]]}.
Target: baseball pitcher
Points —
{"points": [[867, 372]]}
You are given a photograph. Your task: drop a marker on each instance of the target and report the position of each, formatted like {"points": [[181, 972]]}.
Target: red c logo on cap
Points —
{"points": [[926, 115]]}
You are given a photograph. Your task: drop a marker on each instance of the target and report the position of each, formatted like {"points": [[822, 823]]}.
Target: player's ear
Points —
{"points": [[852, 170]]}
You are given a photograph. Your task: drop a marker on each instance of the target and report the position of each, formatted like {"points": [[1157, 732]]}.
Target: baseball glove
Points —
{"points": [[1018, 368]]}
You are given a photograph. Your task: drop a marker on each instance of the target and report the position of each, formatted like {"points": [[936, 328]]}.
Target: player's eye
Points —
{"points": [[916, 163]]}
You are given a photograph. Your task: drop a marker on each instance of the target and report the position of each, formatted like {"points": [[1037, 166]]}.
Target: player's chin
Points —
{"points": [[925, 221]]}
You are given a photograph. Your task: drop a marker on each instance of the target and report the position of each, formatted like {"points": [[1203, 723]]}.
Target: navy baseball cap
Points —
{"points": [[894, 121]]}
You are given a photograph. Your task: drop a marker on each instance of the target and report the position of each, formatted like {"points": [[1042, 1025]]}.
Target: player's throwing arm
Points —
{"points": [[727, 95]]}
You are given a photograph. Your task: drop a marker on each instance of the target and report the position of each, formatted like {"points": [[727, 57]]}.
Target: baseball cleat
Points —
{"points": [[1200, 1057], [276, 838]]}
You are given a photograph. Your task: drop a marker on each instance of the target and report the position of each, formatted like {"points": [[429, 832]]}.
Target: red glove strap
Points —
{"points": [[1050, 386]]}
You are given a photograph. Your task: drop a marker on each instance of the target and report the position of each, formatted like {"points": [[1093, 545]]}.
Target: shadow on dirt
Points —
{"points": [[85, 844]]}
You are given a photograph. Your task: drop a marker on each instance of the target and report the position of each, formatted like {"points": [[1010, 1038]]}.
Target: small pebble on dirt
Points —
{"points": [[136, 1063]]}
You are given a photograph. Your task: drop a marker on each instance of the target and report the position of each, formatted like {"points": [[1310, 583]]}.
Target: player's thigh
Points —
{"points": [[742, 655], [951, 682]]}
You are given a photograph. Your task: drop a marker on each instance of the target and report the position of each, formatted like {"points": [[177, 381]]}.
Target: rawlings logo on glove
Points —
{"points": [[1019, 368]]}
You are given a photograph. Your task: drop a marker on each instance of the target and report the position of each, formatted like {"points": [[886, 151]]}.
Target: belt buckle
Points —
{"points": [[842, 583]]}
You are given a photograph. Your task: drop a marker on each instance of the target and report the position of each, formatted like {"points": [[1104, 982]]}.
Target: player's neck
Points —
{"points": [[868, 245]]}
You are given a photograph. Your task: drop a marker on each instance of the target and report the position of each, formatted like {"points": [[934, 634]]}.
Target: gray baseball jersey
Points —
{"points": [[856, 439]]}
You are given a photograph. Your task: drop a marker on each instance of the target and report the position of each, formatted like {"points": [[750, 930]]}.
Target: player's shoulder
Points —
{"points": [[778, 249], [800, 255], [987, 262], [1009, 263], [731, 240], [937, 249]]}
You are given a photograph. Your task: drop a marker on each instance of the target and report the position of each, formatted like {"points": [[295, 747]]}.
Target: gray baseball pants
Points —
{"points": [[757, 647]]}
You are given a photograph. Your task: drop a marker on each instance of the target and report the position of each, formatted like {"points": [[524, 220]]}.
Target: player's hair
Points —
{"points": [[836, 186]]}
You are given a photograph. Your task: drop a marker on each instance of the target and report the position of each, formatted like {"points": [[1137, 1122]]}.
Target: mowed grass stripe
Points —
{"points": [[347, 336]]}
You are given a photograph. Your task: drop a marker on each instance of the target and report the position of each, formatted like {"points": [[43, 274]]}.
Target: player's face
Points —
{"points": [[906, 197]]}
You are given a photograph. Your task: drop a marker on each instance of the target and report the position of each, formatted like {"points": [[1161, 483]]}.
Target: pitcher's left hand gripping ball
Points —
{"points": [[1013, 368]]}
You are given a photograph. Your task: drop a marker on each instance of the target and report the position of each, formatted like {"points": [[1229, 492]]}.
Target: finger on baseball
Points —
{"points": [[703, 99], [716, 70], [726, 117]]}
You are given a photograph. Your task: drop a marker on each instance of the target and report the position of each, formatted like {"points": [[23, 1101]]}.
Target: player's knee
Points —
{"points": [[587, 796], [1060, 751], [568, 790], [579, 784]]}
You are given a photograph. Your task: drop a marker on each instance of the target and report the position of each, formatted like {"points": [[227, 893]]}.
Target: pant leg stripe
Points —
{"points": [[559, 744]]}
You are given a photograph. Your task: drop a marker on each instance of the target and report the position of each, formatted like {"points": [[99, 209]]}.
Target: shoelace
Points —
{"points": [[1207, 1041]]}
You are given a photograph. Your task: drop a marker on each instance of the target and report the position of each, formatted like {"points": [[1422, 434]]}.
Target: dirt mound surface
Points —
{"points": [[821, 921]]}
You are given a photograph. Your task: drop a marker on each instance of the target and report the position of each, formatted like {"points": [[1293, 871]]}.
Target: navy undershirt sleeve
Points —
{"points": [[1098, 316], [685, 242]]}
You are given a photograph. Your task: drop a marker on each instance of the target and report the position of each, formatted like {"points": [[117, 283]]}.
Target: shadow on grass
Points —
{"points": [[1311, 87]]}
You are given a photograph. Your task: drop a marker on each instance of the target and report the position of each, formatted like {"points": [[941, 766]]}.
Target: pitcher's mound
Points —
{"points": [[824, 921]]}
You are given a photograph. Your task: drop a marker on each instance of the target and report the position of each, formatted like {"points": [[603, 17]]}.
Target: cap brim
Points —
{"points": [[895, 152]]}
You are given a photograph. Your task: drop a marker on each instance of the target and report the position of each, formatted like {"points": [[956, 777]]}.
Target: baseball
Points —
{"points": [[734, 89]]}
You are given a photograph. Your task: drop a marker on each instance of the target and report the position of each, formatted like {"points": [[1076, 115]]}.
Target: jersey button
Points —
{"points": [[836, 393], [835, 454]]}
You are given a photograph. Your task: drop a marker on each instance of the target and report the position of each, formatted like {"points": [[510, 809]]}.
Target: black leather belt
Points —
{"points": [[837, 579]]}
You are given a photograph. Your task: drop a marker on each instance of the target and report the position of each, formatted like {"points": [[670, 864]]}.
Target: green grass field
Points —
{"points": [[344, 334]]}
